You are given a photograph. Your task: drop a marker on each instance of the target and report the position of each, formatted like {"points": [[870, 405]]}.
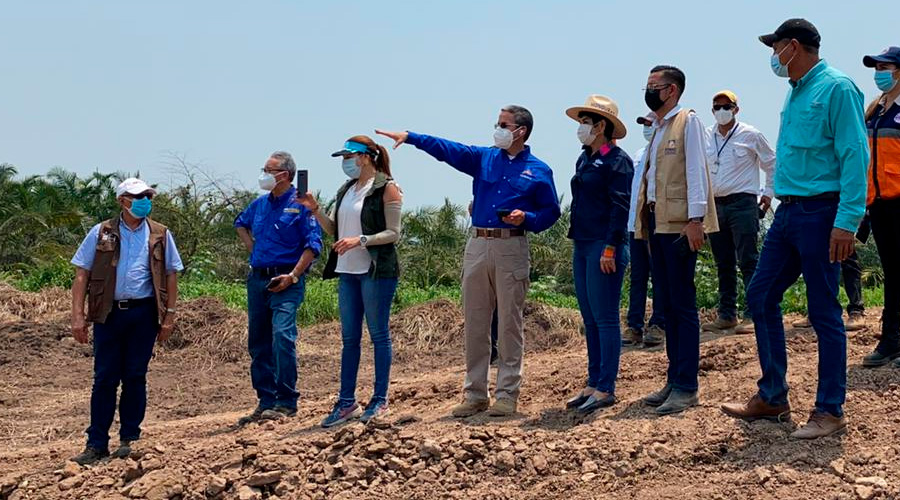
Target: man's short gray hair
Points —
{"points": [[287, 162], [522, 117]]}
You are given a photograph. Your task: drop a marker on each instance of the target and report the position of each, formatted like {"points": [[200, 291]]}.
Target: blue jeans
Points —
{"points": [[639, 252], [272, 341], [361, 296], [797, 243], [673, 267], [598, 296], [122, 350]]}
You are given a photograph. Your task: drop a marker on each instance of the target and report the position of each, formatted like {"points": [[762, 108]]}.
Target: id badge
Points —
{"points": [[714, 169]]}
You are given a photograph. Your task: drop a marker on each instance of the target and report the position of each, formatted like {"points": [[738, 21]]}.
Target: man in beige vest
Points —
{"points": [[675, 209]]}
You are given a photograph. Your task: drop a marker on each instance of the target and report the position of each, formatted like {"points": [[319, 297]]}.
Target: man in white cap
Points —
{"points": [[126, 268], [736, 153]]}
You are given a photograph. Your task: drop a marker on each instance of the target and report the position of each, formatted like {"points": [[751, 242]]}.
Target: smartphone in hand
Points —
{"points": [[272, 284], [501, 213], [302, 182]]}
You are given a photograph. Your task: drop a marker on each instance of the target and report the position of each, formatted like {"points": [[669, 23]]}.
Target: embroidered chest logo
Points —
{"points": [[290, 210], [670, 147]]}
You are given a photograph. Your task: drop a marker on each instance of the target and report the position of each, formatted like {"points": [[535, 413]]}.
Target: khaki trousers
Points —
{"points": [[495, 274]]}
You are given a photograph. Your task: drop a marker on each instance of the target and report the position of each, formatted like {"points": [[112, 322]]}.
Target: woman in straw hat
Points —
{"points": [[601, 192], [365, 222]]}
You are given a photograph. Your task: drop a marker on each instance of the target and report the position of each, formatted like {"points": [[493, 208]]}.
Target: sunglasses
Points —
{"points": [[727, 107], [140, 196], [508, 126]]}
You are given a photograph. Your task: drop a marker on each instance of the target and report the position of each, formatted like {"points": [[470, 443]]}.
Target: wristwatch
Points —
{"points": [[294, 277], [363, 240], [696, 219]]}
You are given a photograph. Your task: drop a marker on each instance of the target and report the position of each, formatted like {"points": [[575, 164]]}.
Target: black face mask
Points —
{"points": [[652, 99]]}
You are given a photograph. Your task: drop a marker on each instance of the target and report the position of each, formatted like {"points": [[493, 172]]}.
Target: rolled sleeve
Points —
{"points": [[313, 235], [245, 218], [84, 256], [173, 258], [697, 176], [852, 152]]}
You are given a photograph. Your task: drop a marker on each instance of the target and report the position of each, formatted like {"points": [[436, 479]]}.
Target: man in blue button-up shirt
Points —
{"points": [[514, 193], [820, 178], [283, 239]]}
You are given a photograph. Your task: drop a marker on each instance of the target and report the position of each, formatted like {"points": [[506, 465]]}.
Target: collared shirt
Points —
{"points": [[695, 158], [640, 158], [735, 159], [133, 278], [601, 192], [282, 230], [498, 182], [822, 145]]}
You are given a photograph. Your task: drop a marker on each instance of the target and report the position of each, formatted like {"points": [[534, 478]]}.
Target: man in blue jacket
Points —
{"points": [[514, 193]]}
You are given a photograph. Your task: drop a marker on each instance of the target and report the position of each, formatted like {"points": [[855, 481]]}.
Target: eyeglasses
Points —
{"points": [[272, 171], [727, 107], [140, 196], [506, 126], [656, 88]]}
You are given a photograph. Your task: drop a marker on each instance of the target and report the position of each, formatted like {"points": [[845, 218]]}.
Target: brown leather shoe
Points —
{"points": [[855, 321], [720, 325], [802, 323], [820, 424], [757, 409]]}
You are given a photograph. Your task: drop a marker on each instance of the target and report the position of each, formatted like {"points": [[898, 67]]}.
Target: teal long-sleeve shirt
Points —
{"points": [[822, 145]]}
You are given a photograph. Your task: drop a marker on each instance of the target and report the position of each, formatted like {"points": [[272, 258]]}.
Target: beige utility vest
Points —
{"points": [[671, 185]]}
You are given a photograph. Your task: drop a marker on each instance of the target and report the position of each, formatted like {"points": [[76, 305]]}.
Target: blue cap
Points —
{"points": [[890, 55], [351, 147]]}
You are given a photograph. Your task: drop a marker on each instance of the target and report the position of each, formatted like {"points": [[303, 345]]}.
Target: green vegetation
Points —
{"points": [[44, 218]]}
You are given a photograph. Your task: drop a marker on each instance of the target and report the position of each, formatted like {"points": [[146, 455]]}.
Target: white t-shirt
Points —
{"points": [[356, 260]]}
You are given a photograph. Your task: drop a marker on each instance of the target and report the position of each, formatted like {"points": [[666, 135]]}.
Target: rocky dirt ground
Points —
{"points": [[199, 387]]}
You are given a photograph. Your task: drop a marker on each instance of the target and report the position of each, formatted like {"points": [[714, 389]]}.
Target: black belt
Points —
{"points": [[498, 233], [818, 197], [271, 272], [734, 197], [126, 304]]}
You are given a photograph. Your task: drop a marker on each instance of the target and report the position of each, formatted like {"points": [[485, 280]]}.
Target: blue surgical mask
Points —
{"points": [[140, 208], [350, 167], [885, 80], [778, 68], [648, 132]]}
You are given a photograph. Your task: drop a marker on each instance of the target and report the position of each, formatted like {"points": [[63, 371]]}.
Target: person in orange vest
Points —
{"points": [[883, 200], [127, 269]]}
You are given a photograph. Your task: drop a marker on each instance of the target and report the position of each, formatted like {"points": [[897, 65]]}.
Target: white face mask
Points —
{"points": [[724, 116], [350, 168], [503, 138], [585, 135], [267, 181], [648, 132]]}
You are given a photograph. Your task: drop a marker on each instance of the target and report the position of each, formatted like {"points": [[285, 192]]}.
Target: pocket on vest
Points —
{"points": [[96, 292], [676, 203]]}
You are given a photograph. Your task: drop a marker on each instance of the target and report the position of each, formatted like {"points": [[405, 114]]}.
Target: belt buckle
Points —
{"points": [[122, 305]]}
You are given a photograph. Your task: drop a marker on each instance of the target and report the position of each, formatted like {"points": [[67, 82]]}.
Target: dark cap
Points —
{"points": [[890, 55], [798, 29]]}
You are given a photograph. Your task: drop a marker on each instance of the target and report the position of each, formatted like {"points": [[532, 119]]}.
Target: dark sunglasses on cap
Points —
{"points": [[728, 106]]}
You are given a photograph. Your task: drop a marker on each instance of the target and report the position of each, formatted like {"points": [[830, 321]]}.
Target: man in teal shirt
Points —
{"points": [[820, 179]]}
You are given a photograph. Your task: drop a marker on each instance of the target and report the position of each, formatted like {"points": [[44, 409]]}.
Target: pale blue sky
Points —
{"points": [[112, 85]]}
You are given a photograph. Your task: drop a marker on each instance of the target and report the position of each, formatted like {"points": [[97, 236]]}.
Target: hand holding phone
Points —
{"points": [[502, 213], [302, 181]]}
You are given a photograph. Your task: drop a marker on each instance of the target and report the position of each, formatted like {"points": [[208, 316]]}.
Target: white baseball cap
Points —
{"points": [[133, 185]]}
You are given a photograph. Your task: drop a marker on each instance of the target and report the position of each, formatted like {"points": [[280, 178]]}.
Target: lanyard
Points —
{"points": [[716, 138]]}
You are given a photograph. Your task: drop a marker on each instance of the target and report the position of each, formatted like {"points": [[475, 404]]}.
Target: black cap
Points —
{"points": [[643, 120], [798, 29], [890, 55]]}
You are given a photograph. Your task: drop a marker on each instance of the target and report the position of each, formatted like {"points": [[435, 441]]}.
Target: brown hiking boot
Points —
{"points": [[468, 408], [631, 337], [503, 407], [855, 321], [719, 325], [757, 409], [802, 323], [820, 424], [653, 336], [746, 327]]}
